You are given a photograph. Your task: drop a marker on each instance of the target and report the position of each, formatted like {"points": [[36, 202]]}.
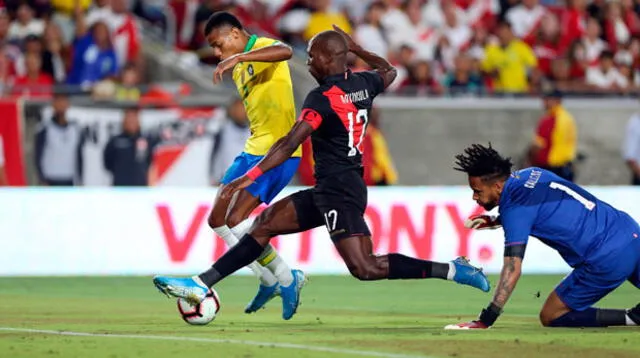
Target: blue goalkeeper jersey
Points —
{"points": [[538, 203]]}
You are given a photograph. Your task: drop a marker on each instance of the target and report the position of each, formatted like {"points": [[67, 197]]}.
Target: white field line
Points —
{"points": [[217, 341]]}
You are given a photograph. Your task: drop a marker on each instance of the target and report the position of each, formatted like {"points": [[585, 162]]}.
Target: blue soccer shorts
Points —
{"points": [[268, 185], [590, 282]]}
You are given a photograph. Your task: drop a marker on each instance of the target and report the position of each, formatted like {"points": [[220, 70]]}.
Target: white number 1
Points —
{"points": [[584, 201], [359, 122]]}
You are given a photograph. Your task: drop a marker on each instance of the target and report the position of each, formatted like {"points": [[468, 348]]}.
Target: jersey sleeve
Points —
{"points": [[312, 109], [375, 82], [518, 216]]}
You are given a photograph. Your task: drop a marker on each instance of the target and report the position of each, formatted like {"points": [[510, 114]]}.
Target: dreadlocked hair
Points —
{"points": [[485, 162]]}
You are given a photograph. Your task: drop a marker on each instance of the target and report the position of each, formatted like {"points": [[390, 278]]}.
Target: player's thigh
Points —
{"points": [[218, 214], [241, 206], [587, 285], [295, 213]]}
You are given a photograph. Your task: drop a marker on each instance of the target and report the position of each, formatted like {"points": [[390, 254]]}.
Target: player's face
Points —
{"points": [[313, 60], [225, 42], [486, 194]]}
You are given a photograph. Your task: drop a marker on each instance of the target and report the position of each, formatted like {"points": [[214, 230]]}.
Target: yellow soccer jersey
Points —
{"points": [[267, 94]]}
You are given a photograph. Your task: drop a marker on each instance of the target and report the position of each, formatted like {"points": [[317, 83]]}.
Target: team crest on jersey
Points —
{"points": [[250, 70]]}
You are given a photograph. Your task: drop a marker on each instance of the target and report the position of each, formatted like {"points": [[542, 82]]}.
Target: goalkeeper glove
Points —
{"points": [[483, 222]]}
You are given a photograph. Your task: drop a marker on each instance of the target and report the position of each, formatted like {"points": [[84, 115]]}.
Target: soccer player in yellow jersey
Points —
{"points": [[261, 73]]}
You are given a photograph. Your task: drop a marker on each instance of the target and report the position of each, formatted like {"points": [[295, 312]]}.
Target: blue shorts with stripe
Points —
{"points": [[591, 281], [268, 185]]}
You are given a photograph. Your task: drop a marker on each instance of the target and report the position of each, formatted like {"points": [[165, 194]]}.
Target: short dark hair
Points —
{"points": [[606, 54], [219, 19], [485, 162]]}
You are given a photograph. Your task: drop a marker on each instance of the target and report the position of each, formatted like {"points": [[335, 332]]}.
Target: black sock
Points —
{"points": [[404, 267], [634, 314], [609, 317], [591, 317], [243, 253]]}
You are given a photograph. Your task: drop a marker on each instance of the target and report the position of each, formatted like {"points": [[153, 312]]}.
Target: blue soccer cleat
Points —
{"points": [[186, 288], [264, 295], [291, 294], [466, 274]]}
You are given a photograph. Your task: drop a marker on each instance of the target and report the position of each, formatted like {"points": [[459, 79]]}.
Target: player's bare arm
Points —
{"points": [[379, 64], [509, 276], [274, 53], [278, 154]]}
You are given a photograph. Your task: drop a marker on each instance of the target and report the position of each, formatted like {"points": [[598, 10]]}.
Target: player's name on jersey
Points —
{"points": [[355, 96]]}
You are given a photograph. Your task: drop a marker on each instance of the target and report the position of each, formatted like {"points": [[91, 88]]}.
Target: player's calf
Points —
{"points": [[595, 317], [373, 268]]}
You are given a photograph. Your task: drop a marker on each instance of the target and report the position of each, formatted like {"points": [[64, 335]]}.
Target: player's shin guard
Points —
{"points": [[230, 237], [239, 256], [270, 259], [404, 267]]}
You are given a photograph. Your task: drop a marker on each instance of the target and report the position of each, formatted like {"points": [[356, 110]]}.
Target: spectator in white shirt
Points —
{"points": [[25, 24], [455, 36], [606, 76], [631, 148], [592, 42], [370, 35], [526, 18]]}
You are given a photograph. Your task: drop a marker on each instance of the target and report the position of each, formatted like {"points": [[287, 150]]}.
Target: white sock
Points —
{"points": [[266, 277], [271, 260], [274, 262], [452, 271], [629, 321]]}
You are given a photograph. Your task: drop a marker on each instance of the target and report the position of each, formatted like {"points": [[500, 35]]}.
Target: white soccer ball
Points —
{"points": [[203, 313]]}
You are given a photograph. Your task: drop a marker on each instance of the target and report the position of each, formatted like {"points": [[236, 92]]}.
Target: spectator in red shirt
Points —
{"points": [[631, 18], [5, 22], [420, 81], [573, 22], [125, 35], [35, 83], [548, 43], [615, 29]]}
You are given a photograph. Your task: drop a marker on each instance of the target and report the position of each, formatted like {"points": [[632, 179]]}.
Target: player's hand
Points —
{"points": [[224, 66], [350, 42], [482, 222], [235, 186], [466, 326]]}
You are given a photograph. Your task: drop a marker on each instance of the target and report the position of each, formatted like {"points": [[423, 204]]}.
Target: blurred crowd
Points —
{"points": [[78, 43], [457, 46]]}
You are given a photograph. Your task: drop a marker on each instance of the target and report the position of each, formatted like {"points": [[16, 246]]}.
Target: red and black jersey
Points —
{"points": [[338, 110]]}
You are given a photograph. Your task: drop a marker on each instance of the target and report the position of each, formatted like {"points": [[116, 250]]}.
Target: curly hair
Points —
{"points": [[480, 161]]}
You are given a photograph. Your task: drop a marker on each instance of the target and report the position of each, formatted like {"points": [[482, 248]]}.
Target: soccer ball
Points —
{"points": [[203, 313]]}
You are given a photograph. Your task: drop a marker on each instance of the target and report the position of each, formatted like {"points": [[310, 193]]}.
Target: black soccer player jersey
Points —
{"points": [[338, 110]]}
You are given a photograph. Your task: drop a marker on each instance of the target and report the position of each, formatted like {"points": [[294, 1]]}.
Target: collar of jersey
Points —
{"points": [[251, 42], [336, 78]]}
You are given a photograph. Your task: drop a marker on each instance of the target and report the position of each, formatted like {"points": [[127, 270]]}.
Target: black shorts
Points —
{"points": [[339, 202]]}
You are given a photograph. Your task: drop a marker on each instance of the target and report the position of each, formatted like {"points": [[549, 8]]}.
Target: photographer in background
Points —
{"points": [[128, 155]]}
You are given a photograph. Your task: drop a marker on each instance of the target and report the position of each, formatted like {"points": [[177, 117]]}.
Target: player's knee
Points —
{"points": [[233, 219], [214, 220], [366, 271], [545, 318]]}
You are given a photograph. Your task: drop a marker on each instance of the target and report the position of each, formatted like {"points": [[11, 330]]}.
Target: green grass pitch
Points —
{"points": [[339, 317]]}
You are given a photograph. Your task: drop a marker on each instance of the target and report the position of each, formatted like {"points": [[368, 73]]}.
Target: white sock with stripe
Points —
{"points": [[269, 258], [265, 276]]}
